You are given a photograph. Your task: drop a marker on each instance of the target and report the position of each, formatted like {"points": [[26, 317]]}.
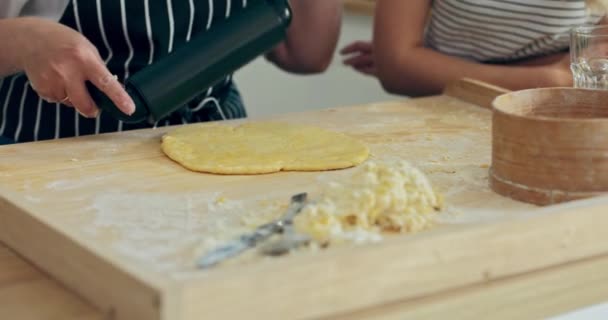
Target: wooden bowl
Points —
{"points": [[550, 145]]}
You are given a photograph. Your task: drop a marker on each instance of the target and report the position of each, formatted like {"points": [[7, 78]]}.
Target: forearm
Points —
{"points": [[311, 38], [13, 36], [421, 71], [541, 60]]}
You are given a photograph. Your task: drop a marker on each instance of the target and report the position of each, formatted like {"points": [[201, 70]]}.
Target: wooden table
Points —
{"points": [[28, 293]]}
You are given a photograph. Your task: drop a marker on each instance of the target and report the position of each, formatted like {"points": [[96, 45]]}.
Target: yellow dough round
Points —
{"points": [[261, 147]]}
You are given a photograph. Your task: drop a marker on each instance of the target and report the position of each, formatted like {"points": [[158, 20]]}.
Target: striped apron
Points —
{"points": [[504, 31], [129, 34]]}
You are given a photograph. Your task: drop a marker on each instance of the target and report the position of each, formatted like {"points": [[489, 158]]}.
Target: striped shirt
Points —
{"points": [[506, 30], [130, 35]]}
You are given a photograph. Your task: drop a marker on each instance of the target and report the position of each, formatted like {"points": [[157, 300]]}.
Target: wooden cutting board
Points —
{"points": [[115, 220]]}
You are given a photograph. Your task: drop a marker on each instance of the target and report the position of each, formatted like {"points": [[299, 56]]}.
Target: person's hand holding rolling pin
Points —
{"points": [[58, 61], [54, 51]]}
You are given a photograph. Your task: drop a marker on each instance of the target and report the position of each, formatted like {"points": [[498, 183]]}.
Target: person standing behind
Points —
{"points": [[420, 46]]}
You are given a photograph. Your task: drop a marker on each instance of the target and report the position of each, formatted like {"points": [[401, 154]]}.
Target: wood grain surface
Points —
{"points": [[126, 224], [26, 293]]}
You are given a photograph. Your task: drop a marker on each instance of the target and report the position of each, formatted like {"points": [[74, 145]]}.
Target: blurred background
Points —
{"points": [[267, 90]]}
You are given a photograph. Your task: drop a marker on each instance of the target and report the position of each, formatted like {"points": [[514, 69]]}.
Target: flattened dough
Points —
{"points": [[261, 147]]}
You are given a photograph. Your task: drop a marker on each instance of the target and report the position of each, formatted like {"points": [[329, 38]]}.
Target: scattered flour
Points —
{"points": [[462, 215], [33, 199], [166, 232], [86, 181]]}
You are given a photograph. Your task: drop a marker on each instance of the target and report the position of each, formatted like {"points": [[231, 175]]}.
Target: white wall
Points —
{"points": [[267, 90]]}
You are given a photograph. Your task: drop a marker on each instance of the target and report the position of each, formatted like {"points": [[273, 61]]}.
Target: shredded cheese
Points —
{"points": [[389, 197]]}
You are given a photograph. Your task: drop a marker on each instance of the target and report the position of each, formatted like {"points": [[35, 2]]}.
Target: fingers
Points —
{"points": [[61, 73], [81, 100], [66, 100], [99, 75], [363, 63], [350, 48], [357, 46], [360, 61], [72, 91], [370, 71], [49, 91], [361, 58]]}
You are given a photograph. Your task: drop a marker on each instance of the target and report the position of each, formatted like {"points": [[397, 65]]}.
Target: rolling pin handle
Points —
{"points": [[106, 105]]}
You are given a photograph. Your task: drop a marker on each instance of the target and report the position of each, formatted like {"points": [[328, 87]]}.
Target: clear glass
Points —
{"points": [[589, 56]]}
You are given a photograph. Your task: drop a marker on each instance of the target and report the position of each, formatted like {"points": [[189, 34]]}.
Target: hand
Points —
{"points": [[58, 61], [361, 57], [555, 69], [561, 74]]}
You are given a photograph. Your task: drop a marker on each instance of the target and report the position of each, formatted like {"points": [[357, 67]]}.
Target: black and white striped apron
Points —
{"points": [[129, 34]]}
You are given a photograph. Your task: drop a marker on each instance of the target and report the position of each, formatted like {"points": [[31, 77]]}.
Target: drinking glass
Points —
{"points": [[589, 56]]}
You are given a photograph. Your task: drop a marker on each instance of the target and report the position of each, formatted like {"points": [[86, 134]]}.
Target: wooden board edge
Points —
{"points": [[474, 91], [431, 264], [364, 7], [534, 295], [116, 293], [23, 286]]}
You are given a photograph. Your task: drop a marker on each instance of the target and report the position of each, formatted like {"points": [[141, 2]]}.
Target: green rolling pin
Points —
{"points": [[168, 84]]}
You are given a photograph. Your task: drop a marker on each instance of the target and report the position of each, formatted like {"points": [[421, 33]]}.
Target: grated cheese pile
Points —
{"points": [[390, 197]]}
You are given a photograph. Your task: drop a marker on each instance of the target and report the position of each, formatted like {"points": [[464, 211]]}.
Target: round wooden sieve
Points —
{"points": [[550, 145]]}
